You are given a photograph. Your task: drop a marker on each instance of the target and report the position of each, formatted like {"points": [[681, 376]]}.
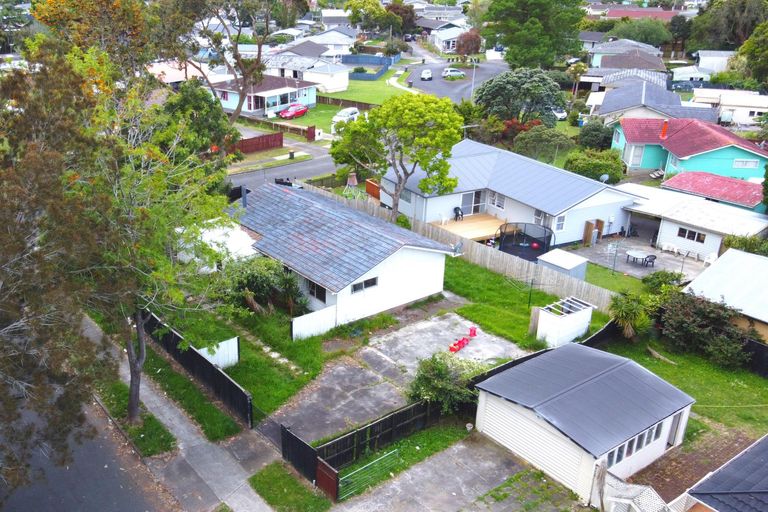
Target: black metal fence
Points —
{"points": [[382, 432], [610, 332], [299, 453], [219, 383]]}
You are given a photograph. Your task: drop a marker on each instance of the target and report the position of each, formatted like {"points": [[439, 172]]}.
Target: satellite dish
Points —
{"points": [[604, 178]]}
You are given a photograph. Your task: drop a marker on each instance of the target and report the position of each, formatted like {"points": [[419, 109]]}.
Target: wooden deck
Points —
{"points": [[480, 226]]}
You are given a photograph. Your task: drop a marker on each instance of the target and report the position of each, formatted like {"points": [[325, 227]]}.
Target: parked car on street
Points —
{"points": [[560, 114], [498, 48], [426, 74], [408, 38], [294, 110], [453, 72], [346, 115]]}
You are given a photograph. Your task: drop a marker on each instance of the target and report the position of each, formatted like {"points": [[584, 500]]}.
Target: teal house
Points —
{"points": [[272, 95], [682, 145]]}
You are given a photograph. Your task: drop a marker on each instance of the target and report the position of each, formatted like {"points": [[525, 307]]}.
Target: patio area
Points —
{"points": [[480, 226]]}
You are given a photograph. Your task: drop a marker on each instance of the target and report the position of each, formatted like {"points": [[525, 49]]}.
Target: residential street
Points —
{"points": [[318, 166], [458, 89]]}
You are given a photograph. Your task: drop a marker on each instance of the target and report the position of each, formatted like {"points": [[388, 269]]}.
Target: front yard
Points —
{"points": [[320, 116], [373, 91]]}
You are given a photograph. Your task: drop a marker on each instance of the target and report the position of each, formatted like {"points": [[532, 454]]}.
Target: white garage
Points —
{"points": [[570, 409]]}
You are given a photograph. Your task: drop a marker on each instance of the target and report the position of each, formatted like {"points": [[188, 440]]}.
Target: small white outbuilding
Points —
{"points": [[565, 262], [570, 410]]}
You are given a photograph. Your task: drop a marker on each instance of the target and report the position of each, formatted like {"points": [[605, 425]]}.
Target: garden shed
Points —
{"points": [[573, 409], [565, 262]]}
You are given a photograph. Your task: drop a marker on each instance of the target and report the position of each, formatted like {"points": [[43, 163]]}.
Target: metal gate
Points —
{"points": [[327, 479], [301, 455]]}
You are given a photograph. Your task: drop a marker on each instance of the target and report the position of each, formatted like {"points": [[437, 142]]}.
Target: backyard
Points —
{"points": [[614, 281]]}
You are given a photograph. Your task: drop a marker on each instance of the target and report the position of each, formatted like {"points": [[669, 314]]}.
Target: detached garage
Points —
{"points": [[570, 409]]}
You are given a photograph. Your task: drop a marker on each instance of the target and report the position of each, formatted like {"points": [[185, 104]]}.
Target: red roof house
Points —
{"points": [[719, 188], [634, 14]]}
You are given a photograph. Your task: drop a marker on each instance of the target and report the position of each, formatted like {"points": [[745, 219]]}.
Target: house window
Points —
{"points": [[630, 447], [250, 102], [364, 285], [560, 223], [640, 441], [284, 99], [473, 202], [541, 218], [224, 95], [637, 156], [620, 454], [616, 136], [674, 161], [611, 455], [258, 102], [755, 113], [497, 200], [317, 291], [690, 234], [745, 164], [406, 196], [657, 434]]}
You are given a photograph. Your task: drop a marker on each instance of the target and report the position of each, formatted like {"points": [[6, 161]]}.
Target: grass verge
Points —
{"points": [[532, 490], [284, 492], [150, 437], [617, 282], [270, 383], [735, 398], [215, 424], [500, 305], [373, 91], [411, 450], [269, 164]]}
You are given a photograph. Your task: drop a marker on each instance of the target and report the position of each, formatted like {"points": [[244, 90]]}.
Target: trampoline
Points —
{"points": [[524, 240]]}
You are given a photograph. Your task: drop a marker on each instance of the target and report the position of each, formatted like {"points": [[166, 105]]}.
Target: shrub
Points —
{"points": [[359, 69], [593, 164], [579, 106], [512, 127], [573, 117], [444, 379], [694, 324], [560, 78], [595, 135], [628, 311], [656, 280], [403, 221], [257, 284]]}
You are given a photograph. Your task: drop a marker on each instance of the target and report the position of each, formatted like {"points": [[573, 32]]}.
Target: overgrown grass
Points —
{"points": [[566, 128], [270, 383], [215, 424], [284, 492], [617, 282], [373, 91], [532, 490], [693, 431], [201, 328], [411, 450], [423, 303], [500, 305], [150, 437], [735, 398]]}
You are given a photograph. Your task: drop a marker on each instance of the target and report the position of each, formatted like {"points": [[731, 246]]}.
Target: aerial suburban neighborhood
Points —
{"points": [[369, 255]]}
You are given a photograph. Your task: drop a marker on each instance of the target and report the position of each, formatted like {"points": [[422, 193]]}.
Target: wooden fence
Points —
{"points": [[260, 142], [325, 100], [307, 132], [537, 276]]}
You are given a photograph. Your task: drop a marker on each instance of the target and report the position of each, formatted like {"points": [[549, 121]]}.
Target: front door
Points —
{"points": [[673, 430]]}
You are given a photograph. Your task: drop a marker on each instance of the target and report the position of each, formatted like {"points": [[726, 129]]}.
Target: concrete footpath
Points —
{"points": [[200, 474]]}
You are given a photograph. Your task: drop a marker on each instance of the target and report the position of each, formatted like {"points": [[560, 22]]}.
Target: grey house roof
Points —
{"points": [[623, 46], [597, 399], [621, 77], [741, 485], [544, 187], [634, 59], [307, 49], [321, 239], [591, 36], [641, 93]]}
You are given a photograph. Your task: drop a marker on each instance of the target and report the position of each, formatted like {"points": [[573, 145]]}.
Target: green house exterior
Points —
{"points": [[730, 161]]}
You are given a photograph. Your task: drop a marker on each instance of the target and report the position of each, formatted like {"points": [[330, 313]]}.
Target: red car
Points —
{"points": [[294, 110]]}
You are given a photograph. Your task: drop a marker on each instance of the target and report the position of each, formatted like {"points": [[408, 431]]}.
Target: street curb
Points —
{"points": [[282, 163], [120, 429]]}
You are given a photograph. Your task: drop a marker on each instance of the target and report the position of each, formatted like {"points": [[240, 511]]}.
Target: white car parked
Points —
{"points": [[451, 72], [344, 115], [426, 74]]}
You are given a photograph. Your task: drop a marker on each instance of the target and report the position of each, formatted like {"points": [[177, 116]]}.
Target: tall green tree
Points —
{"points": [[523, 94], [535, 32], [726, 24], [755, 50], [406, 133], [12, 25], [543, 143], [644, 30], [365, 13], [47, 370], [680, 27], [406, 13]]}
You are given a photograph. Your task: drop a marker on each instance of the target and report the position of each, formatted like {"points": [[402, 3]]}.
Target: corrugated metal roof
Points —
{"points": [[544, 187], [639, 93], [618, 78], [321, 239], [624, 45], [741, 485], [722, 188], [597, 399]]}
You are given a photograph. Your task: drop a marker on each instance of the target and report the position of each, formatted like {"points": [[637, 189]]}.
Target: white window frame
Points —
{"points": [[746, 163], [314, 290], [496, 200], [636, 158], [406, 196], [224, 95], [616, 136], [560, 223], [365, 284]]}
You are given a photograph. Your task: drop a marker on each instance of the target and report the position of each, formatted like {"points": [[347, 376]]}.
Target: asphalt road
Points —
{"points": [[457, 89], [318, 166], [103, 476]]}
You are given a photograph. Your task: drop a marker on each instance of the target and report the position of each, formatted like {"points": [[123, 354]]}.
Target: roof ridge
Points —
{"points": [[619, 364]]}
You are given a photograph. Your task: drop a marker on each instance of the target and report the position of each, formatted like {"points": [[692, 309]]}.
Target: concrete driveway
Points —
{"points": [[356, 390], [450, 480]]}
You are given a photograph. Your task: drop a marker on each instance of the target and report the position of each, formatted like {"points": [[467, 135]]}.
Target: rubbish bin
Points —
{"points": [[410, 83], [423, 61], [581, 122], [290, 155], [406, 69]]}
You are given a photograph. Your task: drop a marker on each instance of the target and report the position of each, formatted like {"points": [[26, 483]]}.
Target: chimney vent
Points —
{"points": [[244, 195], [664, 128]]}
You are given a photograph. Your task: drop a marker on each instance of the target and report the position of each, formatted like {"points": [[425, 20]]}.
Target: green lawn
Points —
{"points": [[201, 328], [410, 450], [500, 305], [285, 493], [150, 437], [617, 282], [685, 95], [215, 424], [566, 128], [270, 383], [735, 398], [320, 116], [375, 91]]}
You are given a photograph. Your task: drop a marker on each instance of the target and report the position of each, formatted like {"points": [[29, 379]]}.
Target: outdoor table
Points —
{"points": [[636, 255]]}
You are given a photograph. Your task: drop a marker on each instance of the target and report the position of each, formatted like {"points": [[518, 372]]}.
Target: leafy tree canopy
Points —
{"points": [[726, 24], [593, 164], [364, 12], [595, 135], [644, 30], [543, 143], [535, 32], [755, 49], [522, 94]]}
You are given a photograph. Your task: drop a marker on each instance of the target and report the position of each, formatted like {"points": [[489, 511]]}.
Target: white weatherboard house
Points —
{"points": [[570, 410], [350, 265], [516, 189]]}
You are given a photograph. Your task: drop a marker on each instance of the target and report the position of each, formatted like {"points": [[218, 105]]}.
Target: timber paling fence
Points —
{"points": [[529, 273]]}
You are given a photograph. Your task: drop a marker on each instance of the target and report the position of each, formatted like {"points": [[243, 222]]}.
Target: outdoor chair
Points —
{"points": [[458, 214], [650, 261]]}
